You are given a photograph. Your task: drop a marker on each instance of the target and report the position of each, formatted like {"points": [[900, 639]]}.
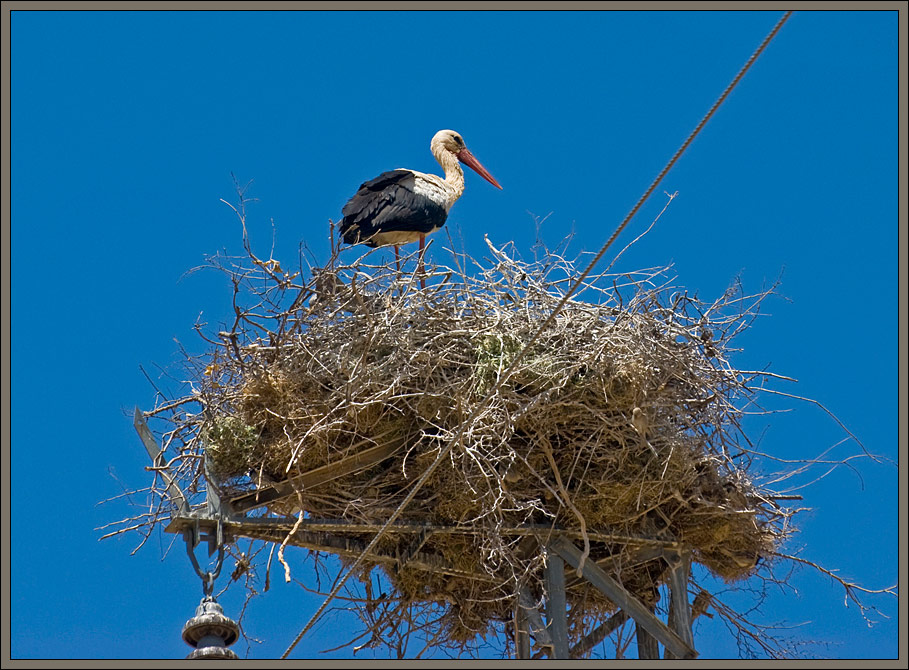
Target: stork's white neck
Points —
{"points": [[454, 175]]}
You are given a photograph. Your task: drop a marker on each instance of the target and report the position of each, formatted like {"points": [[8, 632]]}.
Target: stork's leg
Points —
{"points": [[420, 268]]}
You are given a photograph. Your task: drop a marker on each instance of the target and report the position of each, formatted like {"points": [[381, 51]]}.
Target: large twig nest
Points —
{"points": [[621, 422]]}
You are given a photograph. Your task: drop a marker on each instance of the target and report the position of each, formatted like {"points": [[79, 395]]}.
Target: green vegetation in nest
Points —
{"points": [[232, 446]]}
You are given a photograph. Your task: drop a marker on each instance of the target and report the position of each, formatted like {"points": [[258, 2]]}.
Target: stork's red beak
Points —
{"points": [[468, 159]]}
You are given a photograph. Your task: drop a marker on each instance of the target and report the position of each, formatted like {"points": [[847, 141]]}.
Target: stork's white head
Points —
{"points": [[446, 140], [451, 142]]}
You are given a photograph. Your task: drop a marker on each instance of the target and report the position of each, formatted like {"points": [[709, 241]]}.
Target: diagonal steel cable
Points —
{"points": [[478, 408]]}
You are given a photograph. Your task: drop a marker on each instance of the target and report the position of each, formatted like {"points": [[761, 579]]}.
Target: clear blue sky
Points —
{"points": [[127, 125]]}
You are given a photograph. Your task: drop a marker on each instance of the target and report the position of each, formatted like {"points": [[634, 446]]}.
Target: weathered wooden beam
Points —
{"points": [[413, 527], [556, 605], [276, 530], [625, 600], [679, 608], [624, 561], [647, 643], [521, 632], [535, 622], [352, 548], [353, 463], [598, 634]]}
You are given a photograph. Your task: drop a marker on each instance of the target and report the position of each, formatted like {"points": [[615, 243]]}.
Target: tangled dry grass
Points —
{"points": [[620, 428], [623, 418]]}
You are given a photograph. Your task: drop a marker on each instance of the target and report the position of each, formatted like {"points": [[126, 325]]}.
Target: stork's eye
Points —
{"points": [[458, 140]]}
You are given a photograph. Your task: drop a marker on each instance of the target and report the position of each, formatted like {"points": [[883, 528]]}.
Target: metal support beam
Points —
{"points": [[556, 605], [155, 452], [679, 608], [625, 600]]}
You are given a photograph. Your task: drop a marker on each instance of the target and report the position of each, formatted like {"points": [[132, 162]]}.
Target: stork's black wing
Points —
{"points": [[388, 204]]}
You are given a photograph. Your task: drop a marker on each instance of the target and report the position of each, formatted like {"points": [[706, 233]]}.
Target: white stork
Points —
{"points": [[402, 206]]}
